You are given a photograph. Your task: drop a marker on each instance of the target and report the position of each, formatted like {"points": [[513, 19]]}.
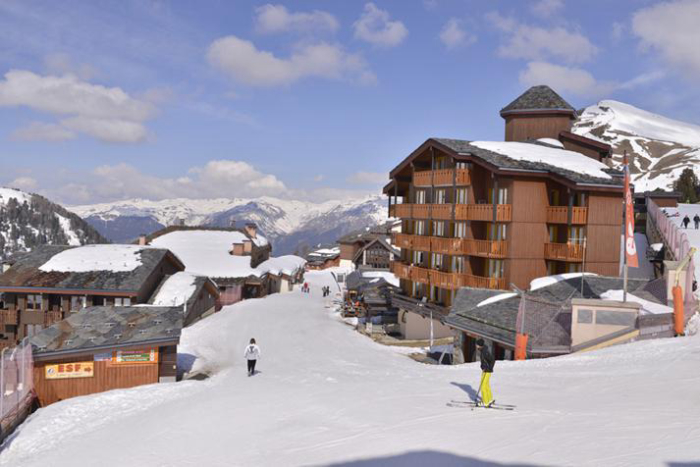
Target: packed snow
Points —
{"points": [[569, 160], [648, 308], [176, 290], [549, 280], [288, 265], [206, 252], [497, 298], [551, 142], [386, 275], [326, 395], [88, 258]]}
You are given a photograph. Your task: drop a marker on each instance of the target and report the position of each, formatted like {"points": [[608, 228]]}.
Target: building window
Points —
{"points": [[461, 229], [585, 317], [77, 303], [125, 301], [574, 267], [577, 234], [436, 260], [463, 165], [615, 318], [495, 268], [579, 199], [440, 196], [553, 233], [458, 264], [419, 228], [496, 232], [420, 196], [417, 258], [501, 196], [461, 196], [551, 268], [34, 302], [439, 228]]}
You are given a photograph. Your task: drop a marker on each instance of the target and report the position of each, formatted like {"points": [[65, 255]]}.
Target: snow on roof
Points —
{"points": [[497, 298], [326, 251], [260, 241], [549, 280], [206, 252], [569, 160], [551, 142], [649, 308], [112, 258], [176, 290], [287, 265], [387, 276]]}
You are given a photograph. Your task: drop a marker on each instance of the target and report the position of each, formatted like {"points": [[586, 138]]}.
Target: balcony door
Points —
{"points": [[501, 196], [576, 235], [495, 231]]}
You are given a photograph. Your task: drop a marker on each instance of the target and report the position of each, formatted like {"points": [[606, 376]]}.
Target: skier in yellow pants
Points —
{"points": [[487, 364]]}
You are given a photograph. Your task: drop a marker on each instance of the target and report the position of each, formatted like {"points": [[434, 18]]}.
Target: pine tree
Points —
{"points": [[688, 186]]}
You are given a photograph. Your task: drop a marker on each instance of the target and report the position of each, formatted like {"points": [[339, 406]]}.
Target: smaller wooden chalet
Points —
{"points": [[49, 283], [102, 348], [197, 295], [376, 255], [560, 314], [283, 272], [323, 258], [352, 243], [229, 256]]}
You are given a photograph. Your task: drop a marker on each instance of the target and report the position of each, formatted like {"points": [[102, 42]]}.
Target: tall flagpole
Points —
{"points": [[627, 172]]}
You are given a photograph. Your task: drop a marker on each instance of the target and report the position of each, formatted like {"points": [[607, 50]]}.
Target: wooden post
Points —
{"points": [[678, 317]]}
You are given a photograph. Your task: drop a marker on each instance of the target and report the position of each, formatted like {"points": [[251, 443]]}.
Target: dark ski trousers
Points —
{"points": [[251, 366]]}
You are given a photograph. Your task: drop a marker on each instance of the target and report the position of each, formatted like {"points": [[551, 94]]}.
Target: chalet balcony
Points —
{"points": [[403, 241], [392, 210], [52, 317], [483, 212], [446, 280], [8, 317], [453, 246], [560, 215], [402, 210], [572, 252], [442, 177]]}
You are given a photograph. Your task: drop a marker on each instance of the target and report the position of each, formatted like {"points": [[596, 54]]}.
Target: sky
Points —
{"points": [[314, 100]]}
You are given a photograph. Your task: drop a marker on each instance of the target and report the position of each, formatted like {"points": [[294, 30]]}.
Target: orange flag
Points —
{"points": [[630, 246]]}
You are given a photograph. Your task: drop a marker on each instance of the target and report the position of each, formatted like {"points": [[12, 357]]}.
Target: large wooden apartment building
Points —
{"points": [[491, 215]]}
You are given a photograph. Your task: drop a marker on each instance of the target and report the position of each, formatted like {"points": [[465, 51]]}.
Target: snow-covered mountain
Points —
{"points": [[290, 225], [28, 220], [659, 147]]}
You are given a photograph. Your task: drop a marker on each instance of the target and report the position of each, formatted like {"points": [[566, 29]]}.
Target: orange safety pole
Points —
{"points": [[520, 346], [678, 316]]}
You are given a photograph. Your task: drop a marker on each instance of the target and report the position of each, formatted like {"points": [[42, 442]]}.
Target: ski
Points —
{"points": [[471, 402], [473, 406]]}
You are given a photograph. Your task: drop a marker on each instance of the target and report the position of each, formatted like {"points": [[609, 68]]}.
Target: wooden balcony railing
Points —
{"points": [[483, 212], [51, 317], [8, 317], [442, 177], [488, 248], [485, 282], [564, 251], [401, 270], [560, 215], [392, 210], [403, 210], [447, 246], [441, 211], [403, 241], [421, 211], [421, 243], [420, 275]]}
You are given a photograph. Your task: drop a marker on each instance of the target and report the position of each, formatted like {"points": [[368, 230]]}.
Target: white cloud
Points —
{"points": [[244, 63], [108, 114], [369, 178], [375, 27], [546, 8], [24, 183], [671, 29], [454, 35], [273, 19], [535, 43], [565, 79], [41, 131]]}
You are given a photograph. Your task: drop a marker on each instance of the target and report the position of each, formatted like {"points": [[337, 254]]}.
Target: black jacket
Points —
{"points": [[487, 360]]}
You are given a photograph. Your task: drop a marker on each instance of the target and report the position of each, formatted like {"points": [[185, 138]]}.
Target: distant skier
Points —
{"points": [[696, 219], [487, 364], [252, 353], [686, 221]]}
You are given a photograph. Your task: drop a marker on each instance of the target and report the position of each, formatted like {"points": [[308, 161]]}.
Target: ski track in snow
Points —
{"points": [[326, 395]]}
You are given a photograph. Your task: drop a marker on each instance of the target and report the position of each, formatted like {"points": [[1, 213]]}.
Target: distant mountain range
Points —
{"points": [[659, 147], [291, 226], [28, 220]]}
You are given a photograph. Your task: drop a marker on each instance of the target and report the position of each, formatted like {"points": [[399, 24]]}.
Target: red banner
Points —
{"points": [[630, 246]]}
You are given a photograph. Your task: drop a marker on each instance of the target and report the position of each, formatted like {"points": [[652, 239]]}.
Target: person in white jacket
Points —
{"points": [[252, 353]]}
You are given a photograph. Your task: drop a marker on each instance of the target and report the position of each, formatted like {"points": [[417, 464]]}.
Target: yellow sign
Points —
{"points": [[70, 370], [135, 356]]}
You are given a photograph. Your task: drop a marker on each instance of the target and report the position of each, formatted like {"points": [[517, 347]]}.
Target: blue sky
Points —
{"points": [[313, 100]]}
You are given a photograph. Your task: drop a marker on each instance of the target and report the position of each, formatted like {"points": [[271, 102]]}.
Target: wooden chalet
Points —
{"points": [[495, 214], [102, 348]]}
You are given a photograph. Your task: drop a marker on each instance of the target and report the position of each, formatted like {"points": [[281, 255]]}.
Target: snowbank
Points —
{"points": [[112, 258], [648, 308], [549, 280], [176, 290], [562, 158], [387, 276]]}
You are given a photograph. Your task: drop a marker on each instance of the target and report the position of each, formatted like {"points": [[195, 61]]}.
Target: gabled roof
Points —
{"points": [[538, 98], [73, 269], [381, 241], [104, 327]]}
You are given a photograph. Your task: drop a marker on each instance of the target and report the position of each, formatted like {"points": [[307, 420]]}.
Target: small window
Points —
{"points": [[615, 318], [585, 317]]}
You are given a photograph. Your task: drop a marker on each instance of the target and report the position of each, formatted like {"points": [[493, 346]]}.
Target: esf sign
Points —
{"points": [[70, 370]]}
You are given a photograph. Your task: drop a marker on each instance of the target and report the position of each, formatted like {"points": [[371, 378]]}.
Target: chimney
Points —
{"points": [[237, 249], [251, 229], [142, 239], [247, 247]]}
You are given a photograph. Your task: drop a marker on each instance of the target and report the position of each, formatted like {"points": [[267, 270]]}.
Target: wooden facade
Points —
{"points": [[106, 375]]}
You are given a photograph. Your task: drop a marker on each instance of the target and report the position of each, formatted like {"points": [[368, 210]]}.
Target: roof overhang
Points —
{"points": [[539, 113], [60, 291], [40, 356]]}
